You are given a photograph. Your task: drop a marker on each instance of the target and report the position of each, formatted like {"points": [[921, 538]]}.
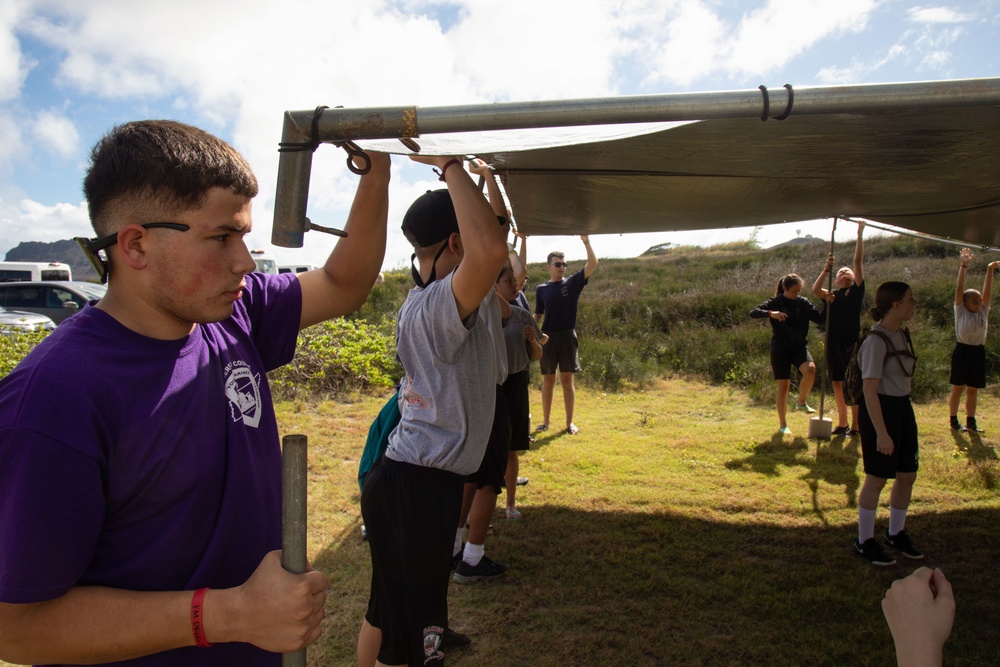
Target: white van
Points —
{"points": [[295, 268], [265, 261], [17, 271]]}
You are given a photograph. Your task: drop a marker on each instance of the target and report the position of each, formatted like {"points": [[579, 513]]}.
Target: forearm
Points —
{"points": [[818, 285], [859, 257], [96, 624], [493, 192], [960, 285], [873, 405], [591, 259]]}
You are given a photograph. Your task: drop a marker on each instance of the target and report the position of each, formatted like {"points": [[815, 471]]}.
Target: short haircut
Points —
{"points": [[548, 260], [969, 293], [144, 167]]}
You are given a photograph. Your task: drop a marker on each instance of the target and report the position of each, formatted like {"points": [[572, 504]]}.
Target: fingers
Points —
{"points": [[941, 585]]}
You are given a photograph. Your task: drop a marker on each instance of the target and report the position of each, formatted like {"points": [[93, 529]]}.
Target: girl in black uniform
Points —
{"points": [[789, 315]]}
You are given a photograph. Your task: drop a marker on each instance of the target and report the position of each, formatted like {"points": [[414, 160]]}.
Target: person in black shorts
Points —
{"points": [[968, 360], [846, 302], [888, 427], [555, 308], [789, 315]]}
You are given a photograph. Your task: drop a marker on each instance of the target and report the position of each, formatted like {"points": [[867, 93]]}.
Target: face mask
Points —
{"points": [[415, 272]]}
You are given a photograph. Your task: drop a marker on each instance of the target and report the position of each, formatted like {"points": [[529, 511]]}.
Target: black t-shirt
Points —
{"points": [[558, 302]]}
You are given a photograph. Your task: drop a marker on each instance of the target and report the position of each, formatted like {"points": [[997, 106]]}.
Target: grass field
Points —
{"points": [[678, 529]]}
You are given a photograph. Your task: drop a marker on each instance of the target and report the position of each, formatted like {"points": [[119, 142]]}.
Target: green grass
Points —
{"points": [[678, 529]]}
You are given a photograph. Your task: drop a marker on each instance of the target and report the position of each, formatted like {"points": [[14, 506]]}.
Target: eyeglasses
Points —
{"points": [[92, 247], [560, 265]]}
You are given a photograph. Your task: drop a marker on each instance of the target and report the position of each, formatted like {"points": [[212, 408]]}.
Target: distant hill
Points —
{"points": [[66, 251], [799, 241]]}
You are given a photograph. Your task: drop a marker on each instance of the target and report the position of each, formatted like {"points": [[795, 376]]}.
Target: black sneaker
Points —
{"points": [[486, 569], [955, 426], [971, 425], [457, 558], [852, 433], [841, 430], [873, 553], [454, 640], [901, 543]]}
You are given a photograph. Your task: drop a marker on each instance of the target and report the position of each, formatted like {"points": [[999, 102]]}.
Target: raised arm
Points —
{"points": [[965, 258], [343, 284], [591, 257], [518, 260], [482, 240], [859, 255], [818, 288], [988, 281]]}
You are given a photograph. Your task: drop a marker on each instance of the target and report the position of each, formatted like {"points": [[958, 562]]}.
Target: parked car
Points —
{"points": [[16, 321], [54, 299]]}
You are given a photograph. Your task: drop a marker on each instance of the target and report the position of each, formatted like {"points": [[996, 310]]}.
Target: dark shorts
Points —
{"points": [[838, 355], [494, 466], [782, 360], [901, 424], [561, 352], [515, 390], [968, 366], [410, 513]]}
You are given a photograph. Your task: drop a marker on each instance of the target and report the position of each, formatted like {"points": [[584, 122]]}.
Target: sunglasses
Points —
{"points": [[93, 247], [560, 265]]}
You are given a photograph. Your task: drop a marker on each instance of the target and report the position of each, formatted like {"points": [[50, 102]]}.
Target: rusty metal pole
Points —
{"points": [[293, 518]]}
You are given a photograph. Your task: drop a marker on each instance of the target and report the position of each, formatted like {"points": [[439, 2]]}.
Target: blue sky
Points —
{"points": [[70, 69]]}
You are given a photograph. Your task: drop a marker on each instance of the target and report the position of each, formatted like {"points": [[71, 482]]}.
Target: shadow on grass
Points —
{"points": [[972, 447], [606, 588]]}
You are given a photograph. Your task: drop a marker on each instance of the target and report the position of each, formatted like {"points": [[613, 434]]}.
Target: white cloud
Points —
{"points": [[29, 220], [13, 66], [937, 15], [57, 134]]}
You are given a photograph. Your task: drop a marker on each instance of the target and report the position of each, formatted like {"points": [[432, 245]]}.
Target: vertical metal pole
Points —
{"points": [[826, 337], [293, 518]]}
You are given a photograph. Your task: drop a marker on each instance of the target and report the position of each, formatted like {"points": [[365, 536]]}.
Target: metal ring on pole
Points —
{"points": [[767, 102], [788, 110]]}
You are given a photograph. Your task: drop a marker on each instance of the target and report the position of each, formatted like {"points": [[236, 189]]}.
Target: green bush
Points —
{"points": [[336, 358], [15, 347]]}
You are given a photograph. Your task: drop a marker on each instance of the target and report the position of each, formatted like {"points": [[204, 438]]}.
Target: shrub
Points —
{"points": [[15, 347], [335, 358]]}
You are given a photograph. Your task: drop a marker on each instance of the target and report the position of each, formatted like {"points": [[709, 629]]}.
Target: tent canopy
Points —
{"points": [[927, 162]]}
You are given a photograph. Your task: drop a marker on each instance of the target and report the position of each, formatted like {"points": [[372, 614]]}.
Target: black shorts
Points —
{"points": [[782, 360], [410, 513], [901, 424], [494, 466], [838, 355], [968, 366], [561, 352], [515, 390]]}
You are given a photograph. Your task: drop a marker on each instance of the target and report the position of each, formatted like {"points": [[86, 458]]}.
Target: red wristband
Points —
{"points": [[198, 619], [444, 169]]}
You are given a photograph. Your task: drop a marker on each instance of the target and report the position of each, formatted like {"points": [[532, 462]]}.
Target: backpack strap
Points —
{"points": [[892, 351]]}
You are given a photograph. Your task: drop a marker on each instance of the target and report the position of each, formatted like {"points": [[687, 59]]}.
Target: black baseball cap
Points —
{"points": [[430, 219]]}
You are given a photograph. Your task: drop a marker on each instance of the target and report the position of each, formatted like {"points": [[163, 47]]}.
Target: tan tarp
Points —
{"points": [[933, 171]]}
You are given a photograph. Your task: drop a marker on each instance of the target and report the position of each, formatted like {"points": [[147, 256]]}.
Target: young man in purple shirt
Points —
{"points": [[139, 458], [555, 307]]}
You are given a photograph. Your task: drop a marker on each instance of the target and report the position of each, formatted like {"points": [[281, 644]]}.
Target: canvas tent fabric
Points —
{"points": [[933, 171]]}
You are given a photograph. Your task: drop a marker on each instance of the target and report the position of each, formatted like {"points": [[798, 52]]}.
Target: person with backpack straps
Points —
{"points": [[888, 427]]}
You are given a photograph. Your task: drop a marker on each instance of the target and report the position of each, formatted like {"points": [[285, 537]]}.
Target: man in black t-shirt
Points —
{"points": [[555, 309]]}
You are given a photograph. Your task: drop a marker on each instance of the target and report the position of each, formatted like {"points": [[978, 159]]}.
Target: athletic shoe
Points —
{"points": [[901, 543], [955, 426], [486, 569], [804, 407], [572, 429], [852, 433], [971, 425], [841, 430], [873, 553], [521, 481], [784, 430], [457, 558], [514, 515], [454, 640], [542, 428]]}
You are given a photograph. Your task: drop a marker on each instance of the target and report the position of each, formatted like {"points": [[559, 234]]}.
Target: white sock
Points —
{"points": [[473, 553], [458, 542], [866, 524], [897, 519]]}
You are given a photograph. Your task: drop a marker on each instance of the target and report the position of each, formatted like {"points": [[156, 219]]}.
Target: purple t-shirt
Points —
{"points": [[145, 464]]}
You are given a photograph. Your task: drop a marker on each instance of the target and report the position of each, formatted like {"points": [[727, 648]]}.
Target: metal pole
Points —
{"points": [[293, 518]]}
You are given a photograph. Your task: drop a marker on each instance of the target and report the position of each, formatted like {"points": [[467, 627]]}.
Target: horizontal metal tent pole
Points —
{"points": [[303, 131]]}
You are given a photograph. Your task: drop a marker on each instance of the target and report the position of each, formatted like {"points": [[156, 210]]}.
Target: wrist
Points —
{"points": [[198, 618], [444, 168]]}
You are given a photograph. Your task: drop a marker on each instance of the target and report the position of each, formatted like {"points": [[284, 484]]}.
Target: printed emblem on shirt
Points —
{"points": [[243, 392], [412, 398]]}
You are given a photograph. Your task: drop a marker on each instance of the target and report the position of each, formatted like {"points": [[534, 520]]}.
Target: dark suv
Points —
{"points": [[56, 299]]}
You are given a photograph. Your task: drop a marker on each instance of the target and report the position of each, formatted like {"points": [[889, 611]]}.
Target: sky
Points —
{"points": [[72, 69]]}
